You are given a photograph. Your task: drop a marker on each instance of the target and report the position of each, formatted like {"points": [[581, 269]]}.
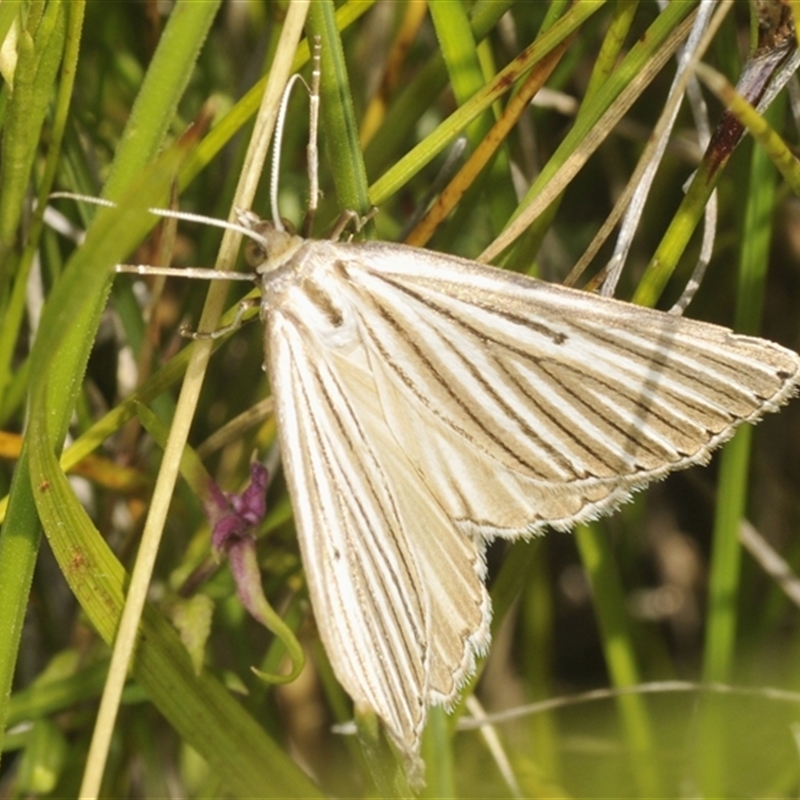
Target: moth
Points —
{"points": [[428, 405]]}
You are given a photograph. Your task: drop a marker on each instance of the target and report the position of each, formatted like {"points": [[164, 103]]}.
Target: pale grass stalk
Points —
{"points": [[140, 579]]}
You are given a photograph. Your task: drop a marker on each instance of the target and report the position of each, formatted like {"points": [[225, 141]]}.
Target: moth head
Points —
{"points": [[267, 246]]}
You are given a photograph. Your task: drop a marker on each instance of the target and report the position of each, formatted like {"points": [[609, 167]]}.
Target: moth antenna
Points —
{"points": [[277, 139], [185, 216], [312, 150], [82, 198]]}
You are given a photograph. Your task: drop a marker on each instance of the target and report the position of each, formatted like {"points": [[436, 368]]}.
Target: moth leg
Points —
{"points": [[312, 150], [350, 217], [236, 323]]}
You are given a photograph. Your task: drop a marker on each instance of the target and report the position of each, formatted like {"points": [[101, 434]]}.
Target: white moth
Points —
{"points": [[428, 404]]}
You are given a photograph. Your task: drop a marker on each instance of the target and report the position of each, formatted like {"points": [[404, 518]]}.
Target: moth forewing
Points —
{"points": [[427, 404]]}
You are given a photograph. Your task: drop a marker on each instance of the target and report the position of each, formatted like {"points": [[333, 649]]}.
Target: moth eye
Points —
{"points": [[254, 253]]}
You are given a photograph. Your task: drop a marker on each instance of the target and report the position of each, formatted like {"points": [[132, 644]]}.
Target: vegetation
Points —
{"points": [[114, 100]]}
